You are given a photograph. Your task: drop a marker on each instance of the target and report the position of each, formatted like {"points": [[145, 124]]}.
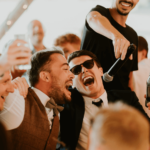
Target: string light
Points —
{"points": [[9, 22], [14, 15], [25, 6]]}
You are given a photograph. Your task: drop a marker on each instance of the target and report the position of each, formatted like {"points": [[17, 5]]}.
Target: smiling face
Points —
{"points": [[124, 6], [88, 82], [60, 79], [6, 87]]}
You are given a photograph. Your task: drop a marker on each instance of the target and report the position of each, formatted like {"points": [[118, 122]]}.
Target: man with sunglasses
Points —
{"points": [[87, 98]]}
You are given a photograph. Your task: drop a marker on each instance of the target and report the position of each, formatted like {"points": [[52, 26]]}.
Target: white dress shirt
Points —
{"points": [[140, 77], [44, 99], [14, 108], [90, 111], [13, 113]]}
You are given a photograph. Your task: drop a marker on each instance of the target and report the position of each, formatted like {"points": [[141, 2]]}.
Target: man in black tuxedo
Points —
{"points": [[87, 98]]}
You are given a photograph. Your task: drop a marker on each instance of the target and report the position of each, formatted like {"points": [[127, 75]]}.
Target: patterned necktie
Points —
{"points": [[98, 104], [52, 105]]}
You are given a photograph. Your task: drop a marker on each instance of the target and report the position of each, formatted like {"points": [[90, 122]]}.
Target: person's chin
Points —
{"points": [[67, 96]]}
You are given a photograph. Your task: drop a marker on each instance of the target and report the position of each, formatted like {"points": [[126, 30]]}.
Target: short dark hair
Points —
{"points": [[84, 53], [39, 63], [142, 44]]}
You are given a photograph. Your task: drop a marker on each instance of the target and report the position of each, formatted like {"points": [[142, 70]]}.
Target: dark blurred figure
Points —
{"points": [[142, 49], [119, 127], [69, 43], [36, 35], [4, 144], [140, 76]]}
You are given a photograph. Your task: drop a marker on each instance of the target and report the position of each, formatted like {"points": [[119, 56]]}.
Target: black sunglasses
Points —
{"points": [[87, 64]]}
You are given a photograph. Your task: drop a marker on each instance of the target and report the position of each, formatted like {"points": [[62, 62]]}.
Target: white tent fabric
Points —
{"points": [[63, 16]]}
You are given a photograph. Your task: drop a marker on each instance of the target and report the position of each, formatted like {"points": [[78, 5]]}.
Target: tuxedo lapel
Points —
{"points": [[71, 119], [114, 96], [79, 105], [110, 98]]}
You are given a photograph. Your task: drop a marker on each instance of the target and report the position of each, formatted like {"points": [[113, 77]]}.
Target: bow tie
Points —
{"points": [[52, 105], [98, 104]]}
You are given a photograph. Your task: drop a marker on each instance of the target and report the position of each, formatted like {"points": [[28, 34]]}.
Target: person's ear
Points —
{"points": [[144, 53], [101, 71], [45, 76]]}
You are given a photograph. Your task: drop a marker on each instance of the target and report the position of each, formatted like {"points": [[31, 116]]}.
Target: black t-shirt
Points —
{"points": [[103, 48]]}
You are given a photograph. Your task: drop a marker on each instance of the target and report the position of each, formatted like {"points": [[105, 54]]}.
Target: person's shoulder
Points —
{"points": [[131, 30], [122, 93], [76, 96], [125, 96], [100, 9]]}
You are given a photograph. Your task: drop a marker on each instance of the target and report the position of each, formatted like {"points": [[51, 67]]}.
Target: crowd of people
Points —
{"points": [[62, 102]]}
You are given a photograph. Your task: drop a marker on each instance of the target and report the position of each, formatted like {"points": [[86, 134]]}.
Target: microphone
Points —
{"points": [[108, 76]]}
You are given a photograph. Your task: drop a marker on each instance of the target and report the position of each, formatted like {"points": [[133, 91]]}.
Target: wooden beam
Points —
{"points": [[13, 16]]}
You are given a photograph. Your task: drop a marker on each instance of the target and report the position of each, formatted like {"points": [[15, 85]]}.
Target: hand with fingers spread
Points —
{"points": [[15, 54], [121, 45], [22, 85]]}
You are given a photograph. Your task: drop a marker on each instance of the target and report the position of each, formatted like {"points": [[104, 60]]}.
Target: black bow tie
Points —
{"points": [[98, 104]]}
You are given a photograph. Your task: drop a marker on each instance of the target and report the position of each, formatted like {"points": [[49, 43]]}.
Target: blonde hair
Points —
{"points": [[119, 127]]}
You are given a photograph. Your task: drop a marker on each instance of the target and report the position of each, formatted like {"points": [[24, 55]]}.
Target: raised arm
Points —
{"points": [[101, 25]]}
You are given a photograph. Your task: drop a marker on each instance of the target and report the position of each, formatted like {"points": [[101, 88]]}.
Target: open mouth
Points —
{"points": [[88, 81], [126, 4], [68, 85]]}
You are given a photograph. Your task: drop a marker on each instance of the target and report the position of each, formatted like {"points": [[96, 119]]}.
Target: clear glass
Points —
{"points": [[26, 66]]}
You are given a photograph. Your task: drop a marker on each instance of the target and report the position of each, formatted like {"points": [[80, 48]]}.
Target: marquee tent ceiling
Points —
{"points": [[61, 16]]}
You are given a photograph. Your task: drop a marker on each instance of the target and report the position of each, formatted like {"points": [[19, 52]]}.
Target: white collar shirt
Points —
{"points": [[90, 111], [44, 99], [50, 113]]}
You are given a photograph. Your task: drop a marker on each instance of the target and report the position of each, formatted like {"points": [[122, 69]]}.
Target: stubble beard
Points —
{"points": [[58, 95], [123, 14]]}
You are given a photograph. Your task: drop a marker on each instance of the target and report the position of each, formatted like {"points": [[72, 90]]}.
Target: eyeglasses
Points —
{"points": [[87, 64]]}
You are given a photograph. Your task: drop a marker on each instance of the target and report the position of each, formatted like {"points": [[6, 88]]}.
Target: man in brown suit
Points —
{"points": [[37, 127]]}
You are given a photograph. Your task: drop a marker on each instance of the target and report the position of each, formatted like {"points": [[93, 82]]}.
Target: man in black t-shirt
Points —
{"points": [[107, 35]]}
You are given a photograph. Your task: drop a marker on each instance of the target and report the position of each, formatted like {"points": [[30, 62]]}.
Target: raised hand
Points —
{"points": [[121, 45], [22, 85], [15, 54]]}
